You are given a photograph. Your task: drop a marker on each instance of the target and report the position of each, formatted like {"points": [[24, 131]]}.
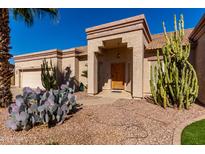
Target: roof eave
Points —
{"points": [[198, 30]]}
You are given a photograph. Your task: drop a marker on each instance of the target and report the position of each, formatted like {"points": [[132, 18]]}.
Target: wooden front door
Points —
{"points": [[118, 75]]}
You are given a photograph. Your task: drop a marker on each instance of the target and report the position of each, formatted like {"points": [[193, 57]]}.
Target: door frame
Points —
{"points": [[124, 64]]}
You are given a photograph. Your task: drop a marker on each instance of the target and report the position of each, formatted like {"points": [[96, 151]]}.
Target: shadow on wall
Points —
{"points": [[65, 76]]}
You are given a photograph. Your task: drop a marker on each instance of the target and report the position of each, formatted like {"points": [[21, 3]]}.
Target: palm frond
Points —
{"points": [[28, 15]]}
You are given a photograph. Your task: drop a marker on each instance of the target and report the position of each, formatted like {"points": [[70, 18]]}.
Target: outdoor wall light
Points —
{"points": [[118, 55]]}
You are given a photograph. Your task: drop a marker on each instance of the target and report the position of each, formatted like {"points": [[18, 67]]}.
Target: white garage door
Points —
{"points": [[31, 79]]}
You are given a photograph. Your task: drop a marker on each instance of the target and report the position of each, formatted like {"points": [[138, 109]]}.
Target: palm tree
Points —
{"points": [[28, 16]]}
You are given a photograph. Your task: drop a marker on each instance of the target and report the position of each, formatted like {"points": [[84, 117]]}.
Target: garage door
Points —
{"points": [[31, 79]]}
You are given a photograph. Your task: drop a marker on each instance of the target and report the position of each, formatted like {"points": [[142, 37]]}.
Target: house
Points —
{"points": [[197, 56], [118, 55]]}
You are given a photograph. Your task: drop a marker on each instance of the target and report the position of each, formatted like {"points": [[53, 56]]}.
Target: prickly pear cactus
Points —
{"points": [[173, 80], [38, 107]]}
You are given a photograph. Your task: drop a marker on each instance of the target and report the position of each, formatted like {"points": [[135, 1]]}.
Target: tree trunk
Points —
{"points": [[5, 72]]}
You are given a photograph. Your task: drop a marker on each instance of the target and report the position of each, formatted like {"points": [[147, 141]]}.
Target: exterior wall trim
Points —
{"points": [[38, 54], [121, 26], [199, 30], [54, 53]]}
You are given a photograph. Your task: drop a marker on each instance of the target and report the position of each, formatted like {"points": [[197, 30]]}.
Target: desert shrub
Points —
{"points": [[41, 107]]}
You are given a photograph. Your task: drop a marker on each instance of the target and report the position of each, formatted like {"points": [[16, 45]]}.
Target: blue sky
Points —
{"points": [[70, 30]]}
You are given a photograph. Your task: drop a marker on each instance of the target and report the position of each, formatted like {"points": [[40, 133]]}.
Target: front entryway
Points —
{"points": [[118, 75]]}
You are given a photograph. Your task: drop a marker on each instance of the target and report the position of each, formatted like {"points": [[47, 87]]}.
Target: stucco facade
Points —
{"points": [[28, 66], [131, 33], [118, 55], [197, 58]]}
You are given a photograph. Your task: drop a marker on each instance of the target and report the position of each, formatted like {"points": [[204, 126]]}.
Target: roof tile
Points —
{"points": [[158, 40]]}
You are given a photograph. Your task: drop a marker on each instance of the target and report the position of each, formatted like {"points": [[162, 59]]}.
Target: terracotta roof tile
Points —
{"points": [[158, 40]]}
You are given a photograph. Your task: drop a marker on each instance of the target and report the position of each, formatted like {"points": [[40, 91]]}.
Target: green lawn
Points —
{"points": [[194, 133]]}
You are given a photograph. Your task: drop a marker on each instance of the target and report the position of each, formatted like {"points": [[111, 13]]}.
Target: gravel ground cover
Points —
{"points": [[122, 122]]}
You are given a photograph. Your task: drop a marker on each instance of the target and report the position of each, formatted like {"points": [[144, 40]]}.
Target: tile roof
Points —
{"points": [[158, 40]]}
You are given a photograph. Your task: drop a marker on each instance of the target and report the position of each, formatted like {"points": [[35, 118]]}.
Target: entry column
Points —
{"points": [[138, 60], [92, 73]]}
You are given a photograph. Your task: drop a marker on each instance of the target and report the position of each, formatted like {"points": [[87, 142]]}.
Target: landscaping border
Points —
{"points": [[178, 130]]}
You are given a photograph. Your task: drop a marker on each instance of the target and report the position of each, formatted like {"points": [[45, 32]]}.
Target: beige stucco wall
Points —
{"points": [[199, 61], [31, 64], [26, 65], [71, 63], [59, 71], [134, 40], [82, 67], [150, 60], [192, 56], [134, 32], [146, 86], [76, 68]]}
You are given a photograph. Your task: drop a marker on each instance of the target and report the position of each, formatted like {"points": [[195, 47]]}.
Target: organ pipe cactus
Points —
{"points": [[38, 107], [173, 79]]}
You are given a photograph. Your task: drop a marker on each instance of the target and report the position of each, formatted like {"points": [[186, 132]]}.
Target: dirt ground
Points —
{"points": [[124, 121]]}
